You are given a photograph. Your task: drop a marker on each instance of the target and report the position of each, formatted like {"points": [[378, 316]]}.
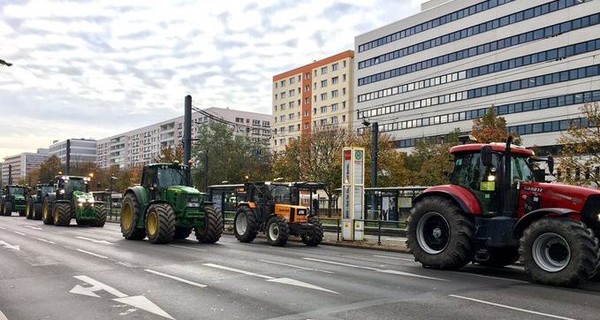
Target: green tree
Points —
{"points": [[430, 161], [220, 156], [492, 128], [50, 168], [579, 158]]}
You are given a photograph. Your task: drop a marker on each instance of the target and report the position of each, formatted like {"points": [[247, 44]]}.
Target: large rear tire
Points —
{"points": [[213, 228], [100, 216], [62, 214], [314, 236], [130, 217], [559, 251], [245, 226], [7, 208], [37, 211], [277, 231], [160, 223], [439, 235], [47, 212]]}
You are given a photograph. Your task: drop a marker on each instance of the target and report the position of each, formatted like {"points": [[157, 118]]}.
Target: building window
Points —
{"points": [[334, 93], [323, 96], [335, 67], [324, 70]]}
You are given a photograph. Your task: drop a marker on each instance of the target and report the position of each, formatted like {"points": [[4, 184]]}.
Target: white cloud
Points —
{"points": [[98, 68]]}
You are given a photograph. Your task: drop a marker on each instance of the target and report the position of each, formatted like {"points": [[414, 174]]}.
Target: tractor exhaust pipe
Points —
{"points": [[507, 200]]}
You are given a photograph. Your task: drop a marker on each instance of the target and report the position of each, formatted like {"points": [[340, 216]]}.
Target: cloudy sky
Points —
{"points": [[96, 68]]}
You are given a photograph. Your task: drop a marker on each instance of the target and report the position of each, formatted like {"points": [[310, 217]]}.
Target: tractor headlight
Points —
{"points": [[193, 205]]}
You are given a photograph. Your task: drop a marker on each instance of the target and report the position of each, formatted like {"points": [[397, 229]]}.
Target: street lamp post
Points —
{"points": [[374, 153]]}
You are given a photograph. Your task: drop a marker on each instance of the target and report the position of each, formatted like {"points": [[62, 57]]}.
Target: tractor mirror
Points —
{"points": [[486, 155]]}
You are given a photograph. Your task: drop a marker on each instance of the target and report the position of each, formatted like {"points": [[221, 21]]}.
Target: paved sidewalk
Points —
{"points": [[385, 243]]}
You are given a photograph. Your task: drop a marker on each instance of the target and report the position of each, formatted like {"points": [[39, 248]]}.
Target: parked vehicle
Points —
{"points": [[13, 200]]}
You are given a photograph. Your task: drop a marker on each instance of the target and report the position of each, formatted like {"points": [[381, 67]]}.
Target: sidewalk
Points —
{"points": [[396, 244]]}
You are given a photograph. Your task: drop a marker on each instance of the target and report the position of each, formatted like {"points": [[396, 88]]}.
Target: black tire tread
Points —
{"points": [[313, 237], [252, 229], [134, 233], [166, 223], [214, 226], [284, 232]]}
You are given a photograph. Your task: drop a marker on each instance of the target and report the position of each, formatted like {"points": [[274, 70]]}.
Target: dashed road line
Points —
{"points": [[393, 258], [400, 273], [195, 284], [20, 233], [297, 267], [47, 241], [188, 248], [511, 307], [93, 254]]}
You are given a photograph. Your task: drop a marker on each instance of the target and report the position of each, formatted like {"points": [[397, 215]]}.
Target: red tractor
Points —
{"points": [[495, 211]]}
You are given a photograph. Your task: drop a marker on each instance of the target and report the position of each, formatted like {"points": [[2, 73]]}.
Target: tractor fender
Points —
{"points": [[464, 198], [534, 215]]}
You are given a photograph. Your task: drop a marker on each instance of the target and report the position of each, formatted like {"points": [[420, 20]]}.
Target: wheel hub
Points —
{"points": [[551, 252], [241, 223], [433, 233]]}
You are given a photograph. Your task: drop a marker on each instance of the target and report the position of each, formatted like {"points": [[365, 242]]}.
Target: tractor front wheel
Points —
{"points": [[314, 236], [130, 217], [29, 209], [47, 212], [213, 228], [160, 223], [245, 226], [37, 211], [439, 235], [277, 231], [8, 209], [100, 219], [62, 214], [559, 251]]}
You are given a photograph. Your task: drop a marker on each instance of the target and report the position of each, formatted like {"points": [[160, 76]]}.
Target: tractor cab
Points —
{"points": [[14, 191], [159, 176], [43, 189], [67, 185]]}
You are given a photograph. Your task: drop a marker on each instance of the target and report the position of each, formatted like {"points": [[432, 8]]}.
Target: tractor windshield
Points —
{"points": [[282, 194], [520, 169], [16, 190], [75, 185], [170, 177], [46, 189]]}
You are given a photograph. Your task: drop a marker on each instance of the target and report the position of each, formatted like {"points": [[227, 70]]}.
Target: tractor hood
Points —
{"points": [[555, 195], [182, 189], [19, 197], [83, 197]]}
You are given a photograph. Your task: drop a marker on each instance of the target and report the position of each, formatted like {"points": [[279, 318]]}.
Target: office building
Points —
{"points": [[317, 95], [535, 61], [82, 150], [143, 145], [20, 165]]}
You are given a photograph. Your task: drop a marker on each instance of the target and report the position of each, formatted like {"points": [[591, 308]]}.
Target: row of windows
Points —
{"points": [[523, 129], [470, 31], [548, 55], [292, 92], [485, 48], [511, 108], [530, 82], [334, 67], [453, 16]]}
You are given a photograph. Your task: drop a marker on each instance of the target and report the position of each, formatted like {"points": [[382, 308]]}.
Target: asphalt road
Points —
{"points": [[73, 272]]}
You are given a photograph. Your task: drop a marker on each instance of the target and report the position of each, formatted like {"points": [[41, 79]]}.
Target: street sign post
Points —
{"points": [[353, 193]]}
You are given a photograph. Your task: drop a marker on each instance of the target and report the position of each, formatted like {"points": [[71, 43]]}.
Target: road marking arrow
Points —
{"points": [[139, 302], [143, 303], [94, 240], [288, 281], [9, 246]]}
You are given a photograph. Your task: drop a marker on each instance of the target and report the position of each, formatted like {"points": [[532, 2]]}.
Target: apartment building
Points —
{"points": [[143, 145], [18, 166], [535, 61], [313, 96]]}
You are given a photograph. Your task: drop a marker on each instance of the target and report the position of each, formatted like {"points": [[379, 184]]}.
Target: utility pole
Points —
{"points": [[68, 166], [187, 138]]}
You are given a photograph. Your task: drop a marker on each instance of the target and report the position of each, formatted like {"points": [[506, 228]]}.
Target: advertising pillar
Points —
{"points": [[353, 193]]}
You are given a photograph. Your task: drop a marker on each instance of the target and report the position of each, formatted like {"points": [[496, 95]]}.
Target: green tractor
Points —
{"points": [[13, 199], [164, 208], [35, 203], [72, 199]]}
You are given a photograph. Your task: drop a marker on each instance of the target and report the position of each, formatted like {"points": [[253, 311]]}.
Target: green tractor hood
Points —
{"points": [[182, 189], [19, 197], [81, 197]]}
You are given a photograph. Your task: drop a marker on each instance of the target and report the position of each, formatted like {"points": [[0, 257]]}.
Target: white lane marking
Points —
{"points": [[294, 266], [9, 246], [96, 286], [3, 228], [34, 228], [44, 240], [511, 308], [195, 284], [143, 303], [94, 240], [288, 281], [238, 271], [2, 316], [188, 248], [93, 254], [401, 273], [127, 264], [393, 258], [20, 233], [495, 278], [139, 302]]}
